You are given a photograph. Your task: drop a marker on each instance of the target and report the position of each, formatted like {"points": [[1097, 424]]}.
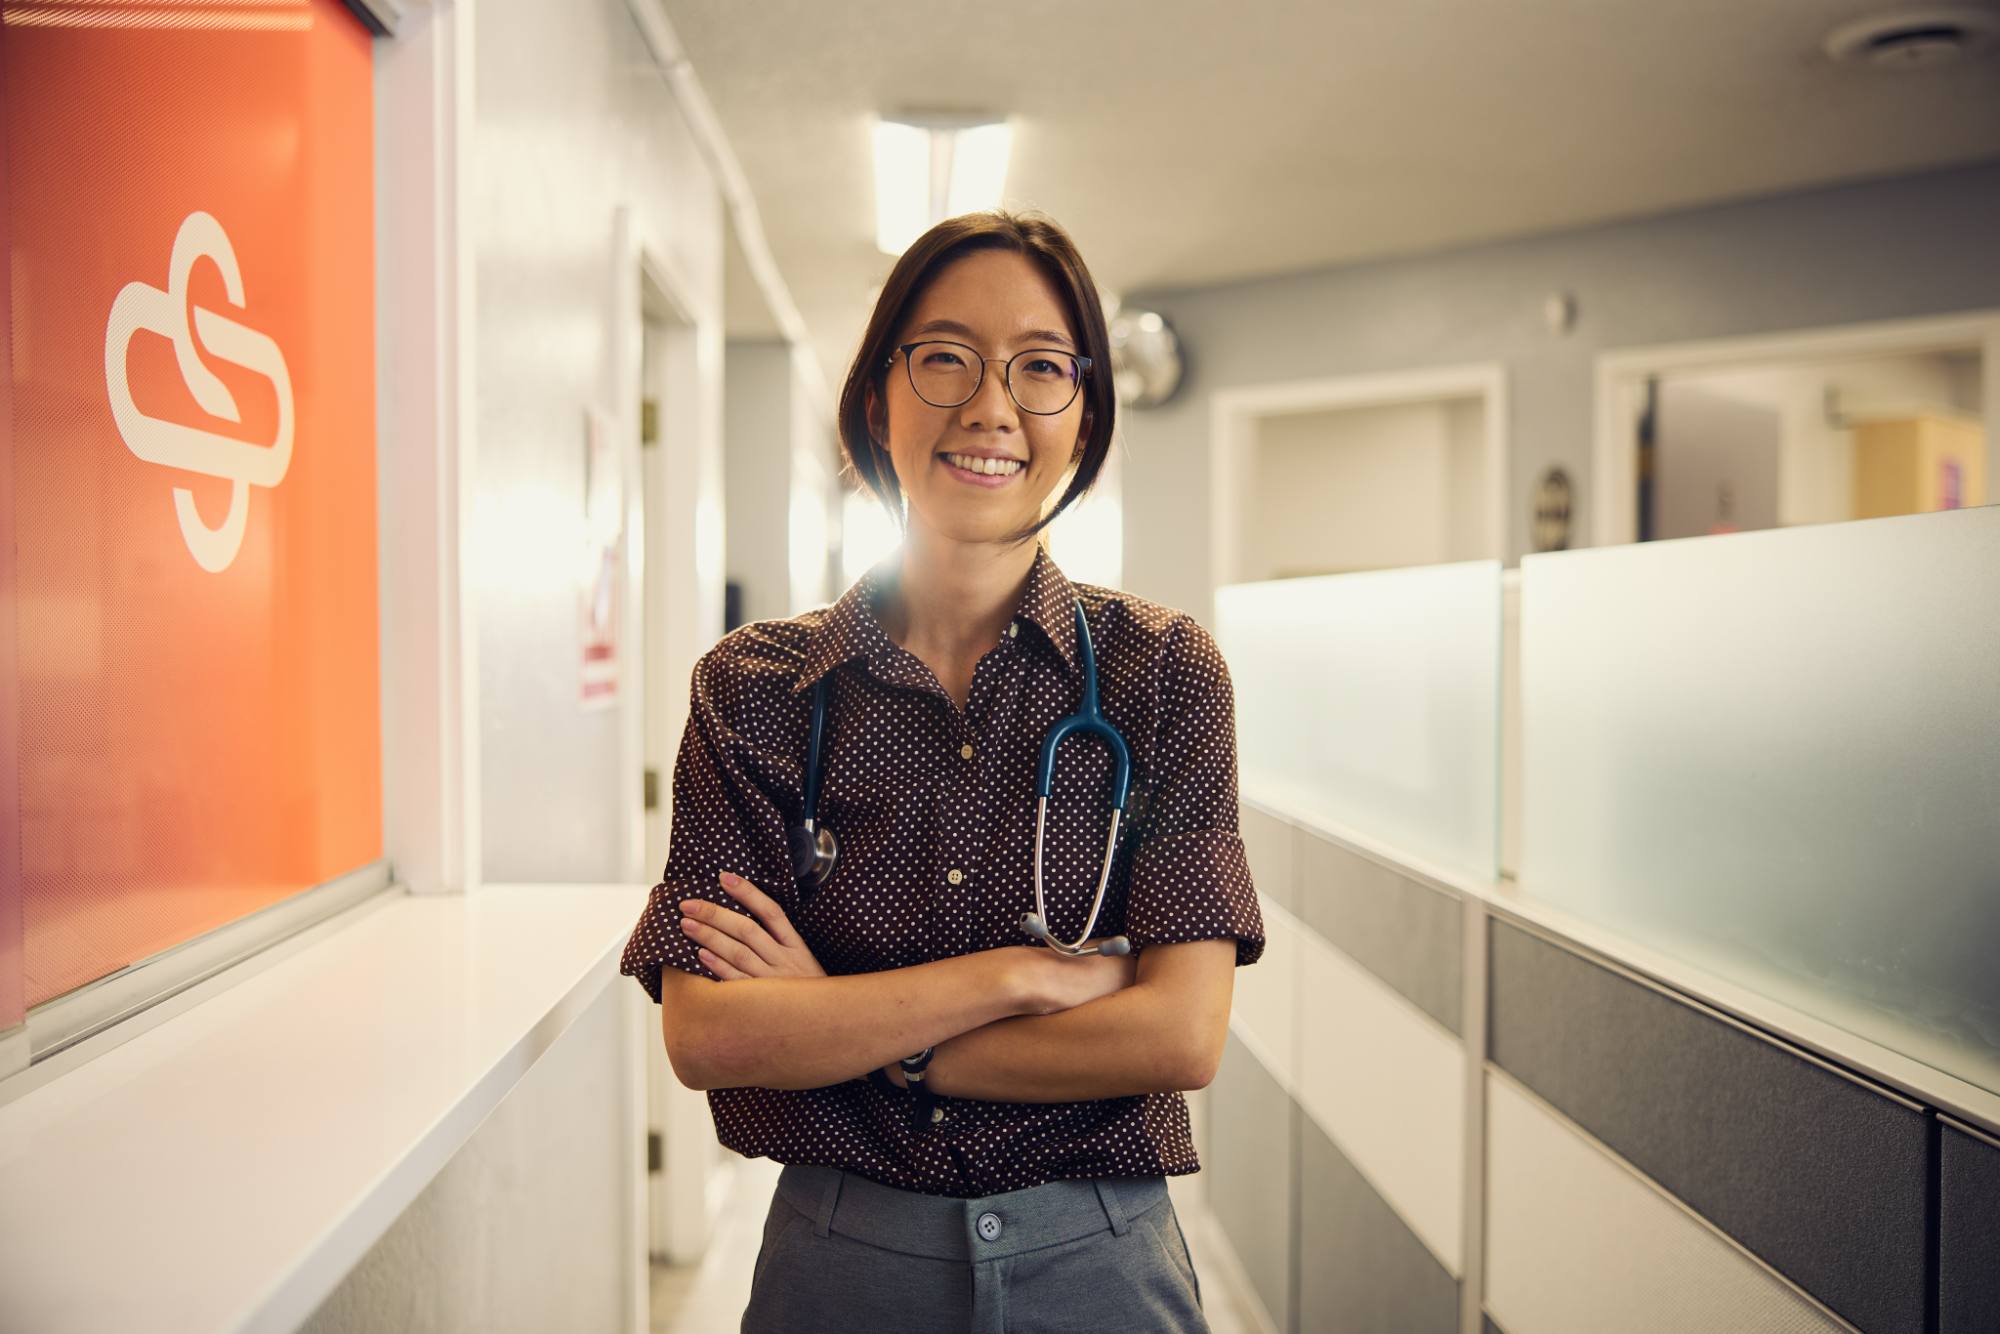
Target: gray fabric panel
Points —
{"points": [[1267, 843], [1487, 1326], [1252, 1153], [1968, 1234], [1360, 1266], [1405, 933], [1817, 1175]]}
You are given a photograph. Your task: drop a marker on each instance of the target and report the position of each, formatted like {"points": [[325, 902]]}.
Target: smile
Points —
{"points": [[982, 472]]}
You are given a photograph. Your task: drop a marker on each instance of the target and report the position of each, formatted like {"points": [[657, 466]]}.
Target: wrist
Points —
{"points": [[1026, 982]]}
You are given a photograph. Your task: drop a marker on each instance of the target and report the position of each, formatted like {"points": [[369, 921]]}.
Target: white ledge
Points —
{"points": [[224, 1167], [1816, 1034]]}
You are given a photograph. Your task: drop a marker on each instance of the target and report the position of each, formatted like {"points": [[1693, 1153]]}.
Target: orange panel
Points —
{"points": [[191, 229]]}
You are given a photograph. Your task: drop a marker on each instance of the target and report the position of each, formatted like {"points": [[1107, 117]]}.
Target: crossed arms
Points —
{"points": [[1014, 1024]]}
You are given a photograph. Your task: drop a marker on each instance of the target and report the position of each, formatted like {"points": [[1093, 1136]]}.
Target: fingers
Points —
{"points": [[764, 907], [721, 967], [737, 939]]}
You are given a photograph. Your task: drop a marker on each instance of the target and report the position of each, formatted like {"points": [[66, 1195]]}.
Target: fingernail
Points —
{"points": [[690, 905], [731, 878]]}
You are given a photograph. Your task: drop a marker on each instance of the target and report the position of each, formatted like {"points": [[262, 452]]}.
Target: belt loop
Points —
{"points": [[1113, 1210], [823, 1220]]}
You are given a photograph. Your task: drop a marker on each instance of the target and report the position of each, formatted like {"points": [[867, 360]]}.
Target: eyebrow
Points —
{"points": [[1026, 335]]}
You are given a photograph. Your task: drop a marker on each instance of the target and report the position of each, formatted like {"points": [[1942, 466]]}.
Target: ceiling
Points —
{"points": [[1185, 142]]}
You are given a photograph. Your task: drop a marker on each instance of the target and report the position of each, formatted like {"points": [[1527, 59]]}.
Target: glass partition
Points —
{"points": [[1777, 755], [1372, 700]]}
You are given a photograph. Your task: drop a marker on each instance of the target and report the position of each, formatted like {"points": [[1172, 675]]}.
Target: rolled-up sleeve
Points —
{"points": [[722, 820], [1190, 879]]}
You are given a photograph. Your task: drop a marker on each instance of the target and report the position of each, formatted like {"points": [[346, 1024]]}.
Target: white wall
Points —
{"points": [[1805, 260], [573, 122], [816, 491], [525, 1229]]}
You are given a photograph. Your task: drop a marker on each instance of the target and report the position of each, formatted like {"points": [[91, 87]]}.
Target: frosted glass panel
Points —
{"points": [[1373, 700], [1777, 755]]}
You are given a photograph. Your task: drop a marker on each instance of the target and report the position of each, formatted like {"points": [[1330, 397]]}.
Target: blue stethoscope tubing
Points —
{"points": [[814, 848]]}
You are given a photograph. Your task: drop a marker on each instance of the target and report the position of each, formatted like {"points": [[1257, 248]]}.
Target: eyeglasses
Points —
{"points": [[1041, 380]]}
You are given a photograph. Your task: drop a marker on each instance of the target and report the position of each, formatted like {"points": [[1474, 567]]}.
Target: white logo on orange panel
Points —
{"points": [[166, 314]]}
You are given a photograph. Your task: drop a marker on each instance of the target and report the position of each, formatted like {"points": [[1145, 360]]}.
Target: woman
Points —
{"points": [[977, 1129]]}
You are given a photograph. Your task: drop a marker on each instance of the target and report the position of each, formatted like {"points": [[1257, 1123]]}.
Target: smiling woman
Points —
{"points": [[1017, 1162], [974, 292]]}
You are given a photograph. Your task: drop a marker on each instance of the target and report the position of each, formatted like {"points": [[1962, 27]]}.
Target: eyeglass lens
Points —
{"points": [[1042, 380]]}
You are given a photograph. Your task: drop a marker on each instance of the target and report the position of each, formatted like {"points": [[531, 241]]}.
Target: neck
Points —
{"points": [[953, 599]]}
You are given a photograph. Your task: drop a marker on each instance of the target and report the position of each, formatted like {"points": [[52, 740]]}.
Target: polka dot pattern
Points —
{"points": [[937, 848]]}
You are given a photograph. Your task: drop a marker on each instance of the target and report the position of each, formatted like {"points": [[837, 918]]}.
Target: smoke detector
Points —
{"points": [[1915, 38]]}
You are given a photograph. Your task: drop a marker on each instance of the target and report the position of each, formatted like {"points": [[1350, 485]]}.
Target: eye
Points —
{"points": [[1046, 368], [942, 357]]}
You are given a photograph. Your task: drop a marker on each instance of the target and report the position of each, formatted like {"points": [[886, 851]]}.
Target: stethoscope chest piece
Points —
{"points": [[814, 851], [814, 848]]}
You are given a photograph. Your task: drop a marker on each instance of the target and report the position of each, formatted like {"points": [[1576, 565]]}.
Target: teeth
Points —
{"points": [[991, 467]]}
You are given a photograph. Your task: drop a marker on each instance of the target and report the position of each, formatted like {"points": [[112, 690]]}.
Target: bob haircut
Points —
{"points": [[1047, 245]]}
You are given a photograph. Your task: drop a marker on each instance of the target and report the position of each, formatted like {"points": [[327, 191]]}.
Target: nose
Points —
{"points": [[991, 406]]}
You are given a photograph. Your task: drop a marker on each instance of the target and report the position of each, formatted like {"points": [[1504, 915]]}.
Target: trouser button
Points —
{"points": [[989, 1226]]}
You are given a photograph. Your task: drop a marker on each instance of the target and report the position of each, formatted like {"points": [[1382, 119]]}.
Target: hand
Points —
{"points": [[1061, 983], [764, 944]]}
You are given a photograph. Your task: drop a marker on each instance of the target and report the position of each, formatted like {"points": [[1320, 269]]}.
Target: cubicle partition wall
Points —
{"points": [[1455, 1102]]}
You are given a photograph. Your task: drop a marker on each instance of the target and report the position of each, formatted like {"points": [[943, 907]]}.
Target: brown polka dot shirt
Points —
{"points": [[934, 809]]}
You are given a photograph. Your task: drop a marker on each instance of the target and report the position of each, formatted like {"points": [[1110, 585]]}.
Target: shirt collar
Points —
{"points": [[851, 630]]}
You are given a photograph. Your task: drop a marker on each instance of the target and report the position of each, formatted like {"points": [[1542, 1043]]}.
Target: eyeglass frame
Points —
{"points": [[1083, 365]]}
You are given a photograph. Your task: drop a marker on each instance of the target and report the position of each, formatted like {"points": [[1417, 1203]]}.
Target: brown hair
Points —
{"points": [[1045, 243]]}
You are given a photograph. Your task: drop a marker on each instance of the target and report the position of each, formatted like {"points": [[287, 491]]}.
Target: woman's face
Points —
{"points": [[997, 303]]}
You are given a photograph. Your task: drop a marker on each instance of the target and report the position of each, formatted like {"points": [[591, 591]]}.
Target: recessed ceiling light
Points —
{"points": [[934, 165], [1915, 38]]}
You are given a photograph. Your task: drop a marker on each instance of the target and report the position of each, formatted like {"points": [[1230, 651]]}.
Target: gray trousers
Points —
{"points": [[843, 1253]]}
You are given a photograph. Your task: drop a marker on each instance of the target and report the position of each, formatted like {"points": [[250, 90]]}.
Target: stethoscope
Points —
{"points": [[815, 849]]}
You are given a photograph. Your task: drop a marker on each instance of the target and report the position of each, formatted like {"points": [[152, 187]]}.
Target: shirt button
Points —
{"points": [[1013, 629], [937, 1115], [965, 751], [955, 875], [989, 1226]]}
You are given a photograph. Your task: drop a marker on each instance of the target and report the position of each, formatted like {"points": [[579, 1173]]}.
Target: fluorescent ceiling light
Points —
{"points": [[978, 167], [928, 169], [902, 184]]}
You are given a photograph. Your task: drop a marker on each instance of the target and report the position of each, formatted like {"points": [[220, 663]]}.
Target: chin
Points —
{"points": [[991, 527]]}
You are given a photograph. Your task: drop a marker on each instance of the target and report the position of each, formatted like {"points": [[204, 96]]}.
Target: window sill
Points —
{"points": [[224, 1168]]}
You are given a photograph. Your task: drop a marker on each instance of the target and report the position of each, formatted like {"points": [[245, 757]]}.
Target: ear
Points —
{"points": [[876, 410]]}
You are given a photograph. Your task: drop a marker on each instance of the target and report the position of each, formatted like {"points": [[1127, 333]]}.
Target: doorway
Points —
{"points": [[1816, 426], [1358, 473]]}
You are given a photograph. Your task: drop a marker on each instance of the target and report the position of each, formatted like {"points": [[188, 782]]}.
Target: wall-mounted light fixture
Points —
{"points": [[934, 165]]}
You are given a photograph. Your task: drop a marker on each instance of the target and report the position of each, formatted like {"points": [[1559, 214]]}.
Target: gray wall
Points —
{"points": [[757, 410], [1912, 246], [572, 122]]}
